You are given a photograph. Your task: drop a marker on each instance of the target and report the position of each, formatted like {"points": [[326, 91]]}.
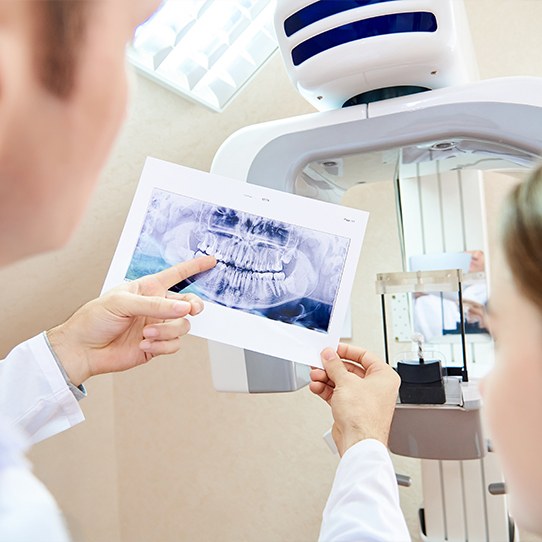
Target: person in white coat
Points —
{"points": [[62, 101], [361, 391], [38, 399]]}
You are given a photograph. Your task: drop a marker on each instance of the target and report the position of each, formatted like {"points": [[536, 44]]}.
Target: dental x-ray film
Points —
{"points": [[285, 264]]}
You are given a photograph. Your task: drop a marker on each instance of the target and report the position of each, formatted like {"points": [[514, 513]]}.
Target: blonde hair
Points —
{"points": [[522, 236]]}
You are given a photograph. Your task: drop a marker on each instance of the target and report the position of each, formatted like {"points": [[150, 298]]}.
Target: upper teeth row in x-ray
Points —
{"points": [[253, 256], [242, 254]]}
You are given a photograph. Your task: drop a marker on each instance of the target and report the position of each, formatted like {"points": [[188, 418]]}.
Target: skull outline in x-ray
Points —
{"points": [[265, 266]]}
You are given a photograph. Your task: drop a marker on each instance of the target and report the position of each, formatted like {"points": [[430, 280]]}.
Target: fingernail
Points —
{"points": [[145, 345], [197, 307], [182, 307], [150, 332], [328, 354]]}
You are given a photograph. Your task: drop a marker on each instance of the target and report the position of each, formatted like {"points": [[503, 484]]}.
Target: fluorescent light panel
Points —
{"points": [[205, 50]]}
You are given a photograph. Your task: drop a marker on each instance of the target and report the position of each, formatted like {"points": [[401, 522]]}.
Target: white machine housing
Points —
{"points": [[475, 117], [490, 122], [357, 51]]}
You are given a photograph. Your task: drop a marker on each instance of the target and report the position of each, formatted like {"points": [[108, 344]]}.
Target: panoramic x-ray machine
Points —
{"points": [[394, 82]]}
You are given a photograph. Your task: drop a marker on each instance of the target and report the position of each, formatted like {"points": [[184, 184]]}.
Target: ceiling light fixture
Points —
{"points": [[205, 50]]}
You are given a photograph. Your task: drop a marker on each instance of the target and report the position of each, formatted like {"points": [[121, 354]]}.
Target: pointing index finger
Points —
{"points": [[181, 271]]}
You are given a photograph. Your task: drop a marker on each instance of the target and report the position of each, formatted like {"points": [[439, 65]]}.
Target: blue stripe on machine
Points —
{"points": [[321, 10], [421, 21]]}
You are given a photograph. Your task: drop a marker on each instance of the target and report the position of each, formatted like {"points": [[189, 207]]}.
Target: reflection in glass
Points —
{"points": [[436, 314]]}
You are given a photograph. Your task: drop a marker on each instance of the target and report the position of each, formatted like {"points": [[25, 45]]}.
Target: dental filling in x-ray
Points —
{"points": [[273, 269]]}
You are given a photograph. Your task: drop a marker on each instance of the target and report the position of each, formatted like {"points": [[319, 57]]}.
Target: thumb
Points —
{"points": [[333, 365]]}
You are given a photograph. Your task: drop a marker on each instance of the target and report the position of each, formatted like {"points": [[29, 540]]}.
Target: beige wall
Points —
{"points": [[162, 456]]}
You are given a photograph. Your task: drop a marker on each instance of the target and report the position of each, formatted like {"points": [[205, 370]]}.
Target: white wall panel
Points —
{"points": [[452, 216], [497, 514], [412, 216], [473, 209], [475, 508], [454, 501], [431, 213], [433, 501]]}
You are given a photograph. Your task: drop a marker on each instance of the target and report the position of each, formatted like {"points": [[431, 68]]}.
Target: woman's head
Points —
{"points": [[513, 391], [522, 236]]}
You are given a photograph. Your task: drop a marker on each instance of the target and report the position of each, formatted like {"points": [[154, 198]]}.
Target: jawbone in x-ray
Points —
{"points": [[273, 269]]}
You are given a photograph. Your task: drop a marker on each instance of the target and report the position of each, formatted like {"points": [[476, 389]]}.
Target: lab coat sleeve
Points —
{"points": [[33, 393], [364, 500]]}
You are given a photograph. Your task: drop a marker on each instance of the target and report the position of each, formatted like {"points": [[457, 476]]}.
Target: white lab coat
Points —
{"points": [[364, 502], [35, 403]]}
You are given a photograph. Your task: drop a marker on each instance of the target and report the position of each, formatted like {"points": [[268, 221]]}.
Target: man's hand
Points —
{"points": [[128, 325], [476, 313], [361, 391]]}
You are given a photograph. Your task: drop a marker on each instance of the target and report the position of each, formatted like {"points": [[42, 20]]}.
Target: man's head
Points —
{"points": [[477, 262], [63, 96]]}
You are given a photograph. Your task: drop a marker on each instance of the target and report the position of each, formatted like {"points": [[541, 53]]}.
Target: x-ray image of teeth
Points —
{"points": [[273, 269]]}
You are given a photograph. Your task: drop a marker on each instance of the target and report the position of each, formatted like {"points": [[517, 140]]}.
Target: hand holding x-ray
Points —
{"points": [[129, 325], [361, 390]]}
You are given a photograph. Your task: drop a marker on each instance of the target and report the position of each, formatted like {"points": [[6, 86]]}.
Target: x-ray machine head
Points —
{"points": [[486, 122], [362, 52]]}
